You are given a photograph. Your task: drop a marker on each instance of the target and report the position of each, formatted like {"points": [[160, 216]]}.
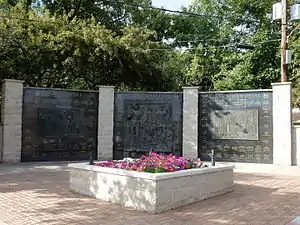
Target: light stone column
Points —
{"points": [[190, 122], [105, 122], [282, 124], [296, 145], [11, 119]]}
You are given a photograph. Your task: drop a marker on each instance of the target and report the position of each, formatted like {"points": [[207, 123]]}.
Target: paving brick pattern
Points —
{"points": [[41, 197]]}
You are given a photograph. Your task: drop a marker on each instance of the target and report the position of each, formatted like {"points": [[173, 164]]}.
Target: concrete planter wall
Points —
{"points": [[153, 193]]}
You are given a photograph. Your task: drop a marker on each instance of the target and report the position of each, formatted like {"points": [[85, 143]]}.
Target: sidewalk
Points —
{"points": [[38, 194]]}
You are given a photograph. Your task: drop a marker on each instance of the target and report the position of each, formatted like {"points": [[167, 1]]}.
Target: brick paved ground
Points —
{"points": [[39, 195]]}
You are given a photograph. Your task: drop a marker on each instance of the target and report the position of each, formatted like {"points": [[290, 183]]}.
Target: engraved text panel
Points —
{"points": [[237, 125], [59, 125]]}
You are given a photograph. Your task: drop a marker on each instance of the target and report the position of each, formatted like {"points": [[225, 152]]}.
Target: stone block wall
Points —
{"points": [[179, 191], [132, 192], [149, 192], [285, 138], [296, 145], [105, 122], [11, 120], [1, 143], [282, 124], [190, 122]]}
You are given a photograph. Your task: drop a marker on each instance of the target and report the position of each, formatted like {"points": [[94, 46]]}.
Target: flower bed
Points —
{"points": [[153, 183], [154, 163]]}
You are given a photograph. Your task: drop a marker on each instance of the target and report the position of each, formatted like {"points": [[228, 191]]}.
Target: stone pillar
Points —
{"points": [[296, 145], [190, 122], [105, 122], [11, 119], [282, 124], [1, 143]]}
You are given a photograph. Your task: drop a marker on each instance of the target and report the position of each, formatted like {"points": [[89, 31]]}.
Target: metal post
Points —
{"points": [[284, 66], [91, 158], [213, 160]]}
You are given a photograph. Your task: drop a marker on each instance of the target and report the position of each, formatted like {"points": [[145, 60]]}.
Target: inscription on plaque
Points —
{"points": [[235, 124], [147, 122], [60, 121], [148, 126], [59, 125]]}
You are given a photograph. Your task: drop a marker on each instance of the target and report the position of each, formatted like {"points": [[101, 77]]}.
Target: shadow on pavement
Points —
{"points": [[37, 195]]}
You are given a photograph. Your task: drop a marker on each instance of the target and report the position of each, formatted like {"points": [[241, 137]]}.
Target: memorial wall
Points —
{"points": [[237, 125]]}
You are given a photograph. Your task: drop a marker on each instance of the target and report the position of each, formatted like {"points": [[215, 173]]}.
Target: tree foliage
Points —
{"points": [[85, 43], [246, 23], [54, 51]]}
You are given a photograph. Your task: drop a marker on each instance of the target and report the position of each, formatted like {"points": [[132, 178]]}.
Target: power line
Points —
{"points": [[199, 41], [177, 11], [221, 46], [154, 8], [176, 41]]}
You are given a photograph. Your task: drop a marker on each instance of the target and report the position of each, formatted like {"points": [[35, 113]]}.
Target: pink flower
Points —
{"points": [[154, 163]]}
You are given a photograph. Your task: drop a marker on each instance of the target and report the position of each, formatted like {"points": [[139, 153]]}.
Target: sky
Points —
{"points": [[171, 4]]}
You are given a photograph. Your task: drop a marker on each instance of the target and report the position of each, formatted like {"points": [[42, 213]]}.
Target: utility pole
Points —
{"points": [[284, 65]]}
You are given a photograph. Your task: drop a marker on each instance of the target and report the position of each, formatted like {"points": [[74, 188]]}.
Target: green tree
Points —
{"points": [[236, 22], [54, 51]]}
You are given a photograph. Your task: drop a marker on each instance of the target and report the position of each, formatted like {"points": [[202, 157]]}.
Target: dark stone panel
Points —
{"points": [[238, 126], [59, 125], [147, 122]]}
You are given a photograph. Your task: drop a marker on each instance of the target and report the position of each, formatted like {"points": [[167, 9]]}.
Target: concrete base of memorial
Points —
{"points": [[149, 192]]}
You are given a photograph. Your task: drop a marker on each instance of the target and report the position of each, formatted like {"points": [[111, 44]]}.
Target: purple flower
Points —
{"points": [[154, 163]]}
